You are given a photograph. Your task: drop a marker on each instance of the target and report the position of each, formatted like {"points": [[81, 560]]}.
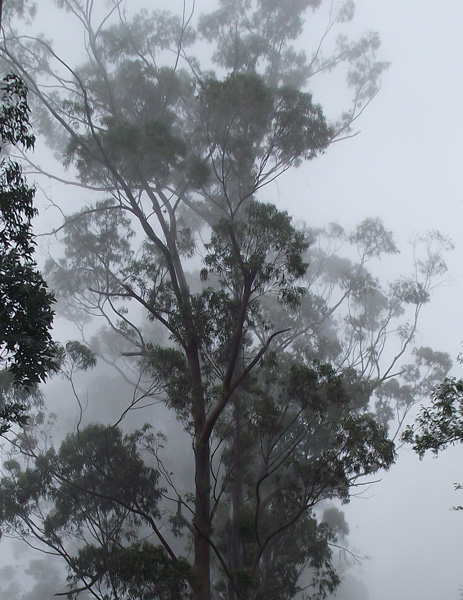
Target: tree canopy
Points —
{"points": [[255, 333]]}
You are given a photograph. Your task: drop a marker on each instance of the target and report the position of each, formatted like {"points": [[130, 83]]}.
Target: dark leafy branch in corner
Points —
{"points": [[26, 315]]}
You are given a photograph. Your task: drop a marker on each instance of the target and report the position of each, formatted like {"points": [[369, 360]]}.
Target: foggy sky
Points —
{"points": [[406, 167]]}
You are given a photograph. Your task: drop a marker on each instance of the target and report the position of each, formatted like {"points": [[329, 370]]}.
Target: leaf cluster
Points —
{"points": [[26, 314], [441, 424], [255, 131], [262, 249], [256, 37], [139, 133], [140, 571]]}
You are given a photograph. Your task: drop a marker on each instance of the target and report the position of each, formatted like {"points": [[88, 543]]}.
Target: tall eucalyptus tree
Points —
{"points": [[277, 400]]}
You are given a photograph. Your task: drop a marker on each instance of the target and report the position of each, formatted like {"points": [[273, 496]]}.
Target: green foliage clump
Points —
{"points": [[137, 572], [25, 315], [441, 424]]}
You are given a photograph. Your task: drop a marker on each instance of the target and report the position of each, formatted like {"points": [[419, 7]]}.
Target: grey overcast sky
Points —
{"points": [[406, 166]]}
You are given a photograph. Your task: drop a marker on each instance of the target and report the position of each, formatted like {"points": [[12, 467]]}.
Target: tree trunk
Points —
{"points": [[202, 523], [202, 452], [234, 526]]}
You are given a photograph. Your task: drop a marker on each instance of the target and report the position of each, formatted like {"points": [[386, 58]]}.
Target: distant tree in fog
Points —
{"points": [[282, 359], [45, 573]]}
